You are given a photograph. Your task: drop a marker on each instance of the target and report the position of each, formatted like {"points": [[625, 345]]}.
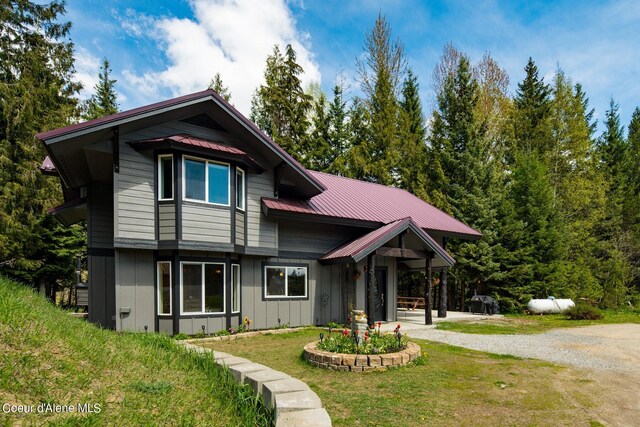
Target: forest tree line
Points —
{"points": [[557, 203]]}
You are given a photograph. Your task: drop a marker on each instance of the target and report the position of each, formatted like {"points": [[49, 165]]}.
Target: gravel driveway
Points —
{"points": [[602, 347]]}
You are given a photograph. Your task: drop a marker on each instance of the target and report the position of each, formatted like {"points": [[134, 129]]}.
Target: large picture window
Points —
{"points": [[285, 282], [165, 177], [202, 288], [164, 287], [206, 181]]}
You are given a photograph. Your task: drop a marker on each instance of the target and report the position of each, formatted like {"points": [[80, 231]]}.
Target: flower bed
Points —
{"points": [[357, 352], [359, 362], [371, 341]]}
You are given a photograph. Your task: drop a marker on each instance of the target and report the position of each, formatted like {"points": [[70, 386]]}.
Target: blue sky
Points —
{"points": [[160, 49]]}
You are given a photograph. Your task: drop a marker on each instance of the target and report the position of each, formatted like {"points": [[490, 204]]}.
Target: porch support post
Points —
{"points": [[442, 309], [371, 292], [427, 291]]}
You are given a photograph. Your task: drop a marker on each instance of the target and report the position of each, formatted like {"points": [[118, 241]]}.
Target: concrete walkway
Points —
{"points": [[411, 320]]}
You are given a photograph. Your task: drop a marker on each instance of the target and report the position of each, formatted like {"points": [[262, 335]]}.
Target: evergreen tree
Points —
{"points": [[617, 250], [37, 93], [356, 164], [318, 154], [280, 107], [338, 132], [104, 101], [612, 146], [464, 178], [532, 105], [532, 243], [218, 86], [578, 187], [380, 76], [412, 149]]}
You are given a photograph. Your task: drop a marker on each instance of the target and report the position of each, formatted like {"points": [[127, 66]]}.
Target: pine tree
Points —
{"points": [[280, 107], [532, 106], [578, 187], [612, 146], [412, 149], [37, 93], [464, 179], [338, 132], [381, 74], [617, 250], [104, 101], [532, 244], [218, 86], [318, 154]]}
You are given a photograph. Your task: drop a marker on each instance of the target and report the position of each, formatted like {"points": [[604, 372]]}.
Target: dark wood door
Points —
{"points": [[380, 308]]}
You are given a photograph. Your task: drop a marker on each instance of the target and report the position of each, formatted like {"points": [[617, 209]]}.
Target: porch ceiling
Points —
{"points": [[358, 249]]}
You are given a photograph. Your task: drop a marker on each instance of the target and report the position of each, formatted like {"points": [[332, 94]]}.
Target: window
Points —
{"points": [[202, 288], [165, 177], [240, 189], [164, 287], [206, 181], [235, 288], [285, 282]]}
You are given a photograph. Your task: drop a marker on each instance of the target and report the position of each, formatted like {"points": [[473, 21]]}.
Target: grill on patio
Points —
{"points": [[483, 304]]}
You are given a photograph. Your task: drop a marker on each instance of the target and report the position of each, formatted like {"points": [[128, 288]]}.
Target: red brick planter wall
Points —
{"points": [[359, 362]]}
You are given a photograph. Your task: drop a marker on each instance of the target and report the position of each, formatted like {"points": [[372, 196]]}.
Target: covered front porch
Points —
{"points": [[375, 260]]}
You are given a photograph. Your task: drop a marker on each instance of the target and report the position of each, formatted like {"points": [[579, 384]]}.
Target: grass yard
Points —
{"points": [[137, 379], [452, 386], [535, 324]]}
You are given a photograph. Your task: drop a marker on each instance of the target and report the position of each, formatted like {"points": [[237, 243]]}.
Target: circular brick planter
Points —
{"points": [[359, 362]]}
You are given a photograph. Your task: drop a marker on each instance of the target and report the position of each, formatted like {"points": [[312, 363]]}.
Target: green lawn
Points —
{"points": [[452, 386], [137, 379], [534, 324]]}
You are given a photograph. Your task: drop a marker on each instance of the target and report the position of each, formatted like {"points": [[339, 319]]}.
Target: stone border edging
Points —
{"points": [[359, 362], [294, 402]]}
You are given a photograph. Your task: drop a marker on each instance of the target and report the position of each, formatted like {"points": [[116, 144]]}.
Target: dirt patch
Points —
{"points": [[620, 386]]}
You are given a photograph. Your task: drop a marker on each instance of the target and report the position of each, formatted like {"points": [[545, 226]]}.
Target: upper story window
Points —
{"points": [[206, 181], [165, 177], [240, 186]]}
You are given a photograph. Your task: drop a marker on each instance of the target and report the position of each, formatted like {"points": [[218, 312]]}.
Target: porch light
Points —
{"points": [[202, 329]]}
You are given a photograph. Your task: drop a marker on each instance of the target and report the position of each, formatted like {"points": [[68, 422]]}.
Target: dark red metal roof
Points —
{"points": [[359, 248], [359, 200], [208, 145], [43, 136], [196, 142]]}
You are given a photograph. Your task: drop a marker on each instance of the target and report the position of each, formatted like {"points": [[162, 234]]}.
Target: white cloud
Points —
{"points": [[229, 37], [87, 70]]}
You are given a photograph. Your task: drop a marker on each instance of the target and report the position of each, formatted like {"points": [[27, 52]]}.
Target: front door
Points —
{"points": [[380, 308]]}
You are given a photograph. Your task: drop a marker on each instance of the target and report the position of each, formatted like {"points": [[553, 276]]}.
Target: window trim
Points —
{"points": [[286, 295], [202, 277], [241, 172], [239, 288], [160, 176], [159, 290], [206, 181]]}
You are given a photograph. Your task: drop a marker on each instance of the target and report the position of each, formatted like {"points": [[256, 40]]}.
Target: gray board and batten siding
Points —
{"points": [[100, 254]]}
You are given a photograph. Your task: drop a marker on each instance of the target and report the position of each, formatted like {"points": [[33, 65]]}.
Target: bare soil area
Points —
{"points": [[609, 356]]}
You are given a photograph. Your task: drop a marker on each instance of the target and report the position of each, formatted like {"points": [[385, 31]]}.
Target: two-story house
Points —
{"points": [[197, 219]]}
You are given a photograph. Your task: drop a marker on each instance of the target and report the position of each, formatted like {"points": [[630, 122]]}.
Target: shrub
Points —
{"points": [[582, 311]]}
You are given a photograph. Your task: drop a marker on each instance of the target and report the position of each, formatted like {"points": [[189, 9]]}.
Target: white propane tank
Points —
{"points": [[549, 305]]}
